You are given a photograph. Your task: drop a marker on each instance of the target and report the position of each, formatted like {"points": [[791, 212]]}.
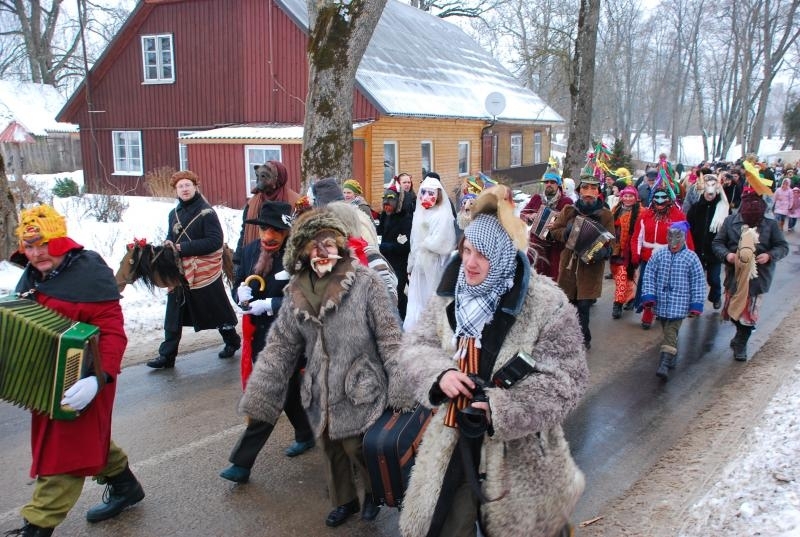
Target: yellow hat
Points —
{"points": [[352, 184], [43, 225]]}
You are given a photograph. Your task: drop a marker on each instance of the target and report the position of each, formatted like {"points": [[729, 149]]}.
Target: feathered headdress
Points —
{"points": [[753, 176], [666, 179]]}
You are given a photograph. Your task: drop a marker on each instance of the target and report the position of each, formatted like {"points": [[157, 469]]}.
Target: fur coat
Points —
{"points": [[350, 345], [527, 455]]}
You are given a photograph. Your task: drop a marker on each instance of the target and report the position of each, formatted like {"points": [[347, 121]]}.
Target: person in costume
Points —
{"points": [[545, 254], [583, 282], [264, 258], [433, 239], [338, 314], [195, 233], [623, 270], [674, 286], [489, 307], [77, 283], [705, 216], [394, 228], [750, 245]]}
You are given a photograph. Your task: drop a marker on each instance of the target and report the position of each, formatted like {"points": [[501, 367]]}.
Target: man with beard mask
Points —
{"points": [[705, 216], [743, 294], [264, 258], [545, 254], [650, 235], [582, 282], [338, 314], [271, 184]]}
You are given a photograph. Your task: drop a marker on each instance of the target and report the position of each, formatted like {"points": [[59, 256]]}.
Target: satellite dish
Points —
{"points": [[495, 103]]}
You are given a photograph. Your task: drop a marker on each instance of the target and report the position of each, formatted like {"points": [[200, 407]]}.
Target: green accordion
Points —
{"points": [[42, 354]]}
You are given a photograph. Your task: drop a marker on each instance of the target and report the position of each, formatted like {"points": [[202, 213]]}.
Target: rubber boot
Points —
{"points": [[663, 368], [616, 310], [122, 490], [739, 342], [673, 361]]}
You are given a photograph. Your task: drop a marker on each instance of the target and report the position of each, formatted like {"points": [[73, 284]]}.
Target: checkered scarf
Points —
{"points": [[475, 305]]}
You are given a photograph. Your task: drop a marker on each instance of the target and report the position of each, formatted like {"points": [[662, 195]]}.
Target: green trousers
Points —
{"points": [[341, 457], [55, 495], [669, 341]]}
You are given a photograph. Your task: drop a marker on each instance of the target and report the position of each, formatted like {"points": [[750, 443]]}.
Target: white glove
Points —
{"points": [[259, 307], [80, 394], [244, 293]]}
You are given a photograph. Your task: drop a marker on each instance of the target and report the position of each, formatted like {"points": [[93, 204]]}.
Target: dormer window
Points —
{"points": [[158, 59]]}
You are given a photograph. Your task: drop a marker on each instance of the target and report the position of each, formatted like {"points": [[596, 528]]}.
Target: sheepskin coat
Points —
{"points": [[350, 345], [527, 455]]}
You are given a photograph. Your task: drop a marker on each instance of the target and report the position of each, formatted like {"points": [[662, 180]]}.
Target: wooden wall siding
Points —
{"points": [[504, 133], [408, 133]]}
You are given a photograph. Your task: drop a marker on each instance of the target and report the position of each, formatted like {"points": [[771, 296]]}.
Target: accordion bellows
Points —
{"points": [[42, 354]]}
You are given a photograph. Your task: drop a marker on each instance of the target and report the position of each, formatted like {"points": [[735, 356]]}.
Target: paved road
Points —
{"points": [[178, 427]]}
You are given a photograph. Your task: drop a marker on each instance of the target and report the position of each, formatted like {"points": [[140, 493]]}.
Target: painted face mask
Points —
{"points": [[325, 253], [676, 238], [427, 197]]}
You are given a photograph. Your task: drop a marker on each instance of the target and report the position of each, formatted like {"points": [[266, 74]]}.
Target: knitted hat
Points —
{"points": [[183, 174], [498, 202], [352, 184], [43, 225], [325, 191], [304, 229], [552, 175], [629, 190]]}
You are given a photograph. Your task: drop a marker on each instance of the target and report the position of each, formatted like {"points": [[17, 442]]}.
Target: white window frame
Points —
{"points": [[128, 154], [463, 158], [183, 151], [515, 150], [537, 147], [422, 145], [255, 155], [158, 59], [390, 172]]}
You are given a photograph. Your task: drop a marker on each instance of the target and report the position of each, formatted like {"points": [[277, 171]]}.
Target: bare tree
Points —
{"points": [[456, 8], [339, 35], [8, 215]]}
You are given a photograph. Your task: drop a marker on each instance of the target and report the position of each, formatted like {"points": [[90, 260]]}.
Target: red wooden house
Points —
{"points": [[219, 86]]}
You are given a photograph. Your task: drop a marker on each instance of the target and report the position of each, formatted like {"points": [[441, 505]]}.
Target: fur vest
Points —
{"points": [[527, 457]]}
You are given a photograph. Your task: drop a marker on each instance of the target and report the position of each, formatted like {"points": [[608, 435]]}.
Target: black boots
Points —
{"points": [[664, 365], [31, 530], [616, 310], [228, 351], [338, 516], [122, 490], [370, 509], [739, 342], [162, 362], [232, 341]]}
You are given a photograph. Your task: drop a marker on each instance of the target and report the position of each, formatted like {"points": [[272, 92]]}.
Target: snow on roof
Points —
{"points": [[16, 134], [34, 106], [417, 64], [255, 131]]}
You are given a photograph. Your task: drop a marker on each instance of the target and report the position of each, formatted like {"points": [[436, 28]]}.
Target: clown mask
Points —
{"points": [[428, 197]]}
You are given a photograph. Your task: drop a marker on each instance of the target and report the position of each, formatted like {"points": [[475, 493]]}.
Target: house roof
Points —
{"points": [[257, 132], [417, 64], [34, 106], [15, 133]]}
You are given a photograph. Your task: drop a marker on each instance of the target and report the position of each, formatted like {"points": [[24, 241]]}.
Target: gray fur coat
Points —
{"points": [[528, 456], [350, 347]]}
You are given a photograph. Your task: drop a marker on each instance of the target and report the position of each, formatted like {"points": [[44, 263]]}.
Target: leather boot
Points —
{"points": [[663, 369], [122, 490], [31, 530], [338, 516], [162, 362], [673, 361], [739, 342], [370, 509], [616, 310]]}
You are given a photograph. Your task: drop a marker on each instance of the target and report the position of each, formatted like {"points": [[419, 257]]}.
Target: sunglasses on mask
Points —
{"points": [[660, 197]]}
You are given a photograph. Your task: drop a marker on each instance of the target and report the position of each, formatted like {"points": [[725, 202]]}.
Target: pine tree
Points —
{"points": [[619, 158]]}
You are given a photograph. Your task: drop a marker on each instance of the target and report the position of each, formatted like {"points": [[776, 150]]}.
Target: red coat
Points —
{"points": [[648, 231], [548, 251]]}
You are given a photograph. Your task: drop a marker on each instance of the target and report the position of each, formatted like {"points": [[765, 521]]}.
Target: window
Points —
{"points": [[427, 157], [537, 147], [516, 150], [463, 158], [157, 59], [127, 152], [254, 156], [389, 161], [183, 151]]}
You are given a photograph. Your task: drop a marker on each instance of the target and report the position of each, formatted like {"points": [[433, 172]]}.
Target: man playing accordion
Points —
{"points": [[77, 283]]}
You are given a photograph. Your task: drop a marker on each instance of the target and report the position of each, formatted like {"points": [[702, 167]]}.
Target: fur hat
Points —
{"points": [[43, 225], [304, 229], [498, 202], [183, 174], [352, 184], [325, 191]]}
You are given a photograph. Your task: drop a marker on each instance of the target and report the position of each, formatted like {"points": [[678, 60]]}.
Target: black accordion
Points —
{"points": [[588, 240], [42, 354]]}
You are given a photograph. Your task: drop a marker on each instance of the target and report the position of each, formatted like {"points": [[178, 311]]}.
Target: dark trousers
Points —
{"points": [[402, 298], [714, 280], [172, 338], [258, 432], [584, 306]]}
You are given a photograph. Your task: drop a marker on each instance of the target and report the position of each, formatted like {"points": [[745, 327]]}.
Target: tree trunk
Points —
{"points": [[339, 35], [8, 216], [582, 88]]}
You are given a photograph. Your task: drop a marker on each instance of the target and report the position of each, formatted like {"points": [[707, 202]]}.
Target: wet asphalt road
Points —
{"points": [[178, 427]]}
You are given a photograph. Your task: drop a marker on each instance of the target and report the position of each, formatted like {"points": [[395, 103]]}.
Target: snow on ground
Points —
{"points": [[758, 492]]}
